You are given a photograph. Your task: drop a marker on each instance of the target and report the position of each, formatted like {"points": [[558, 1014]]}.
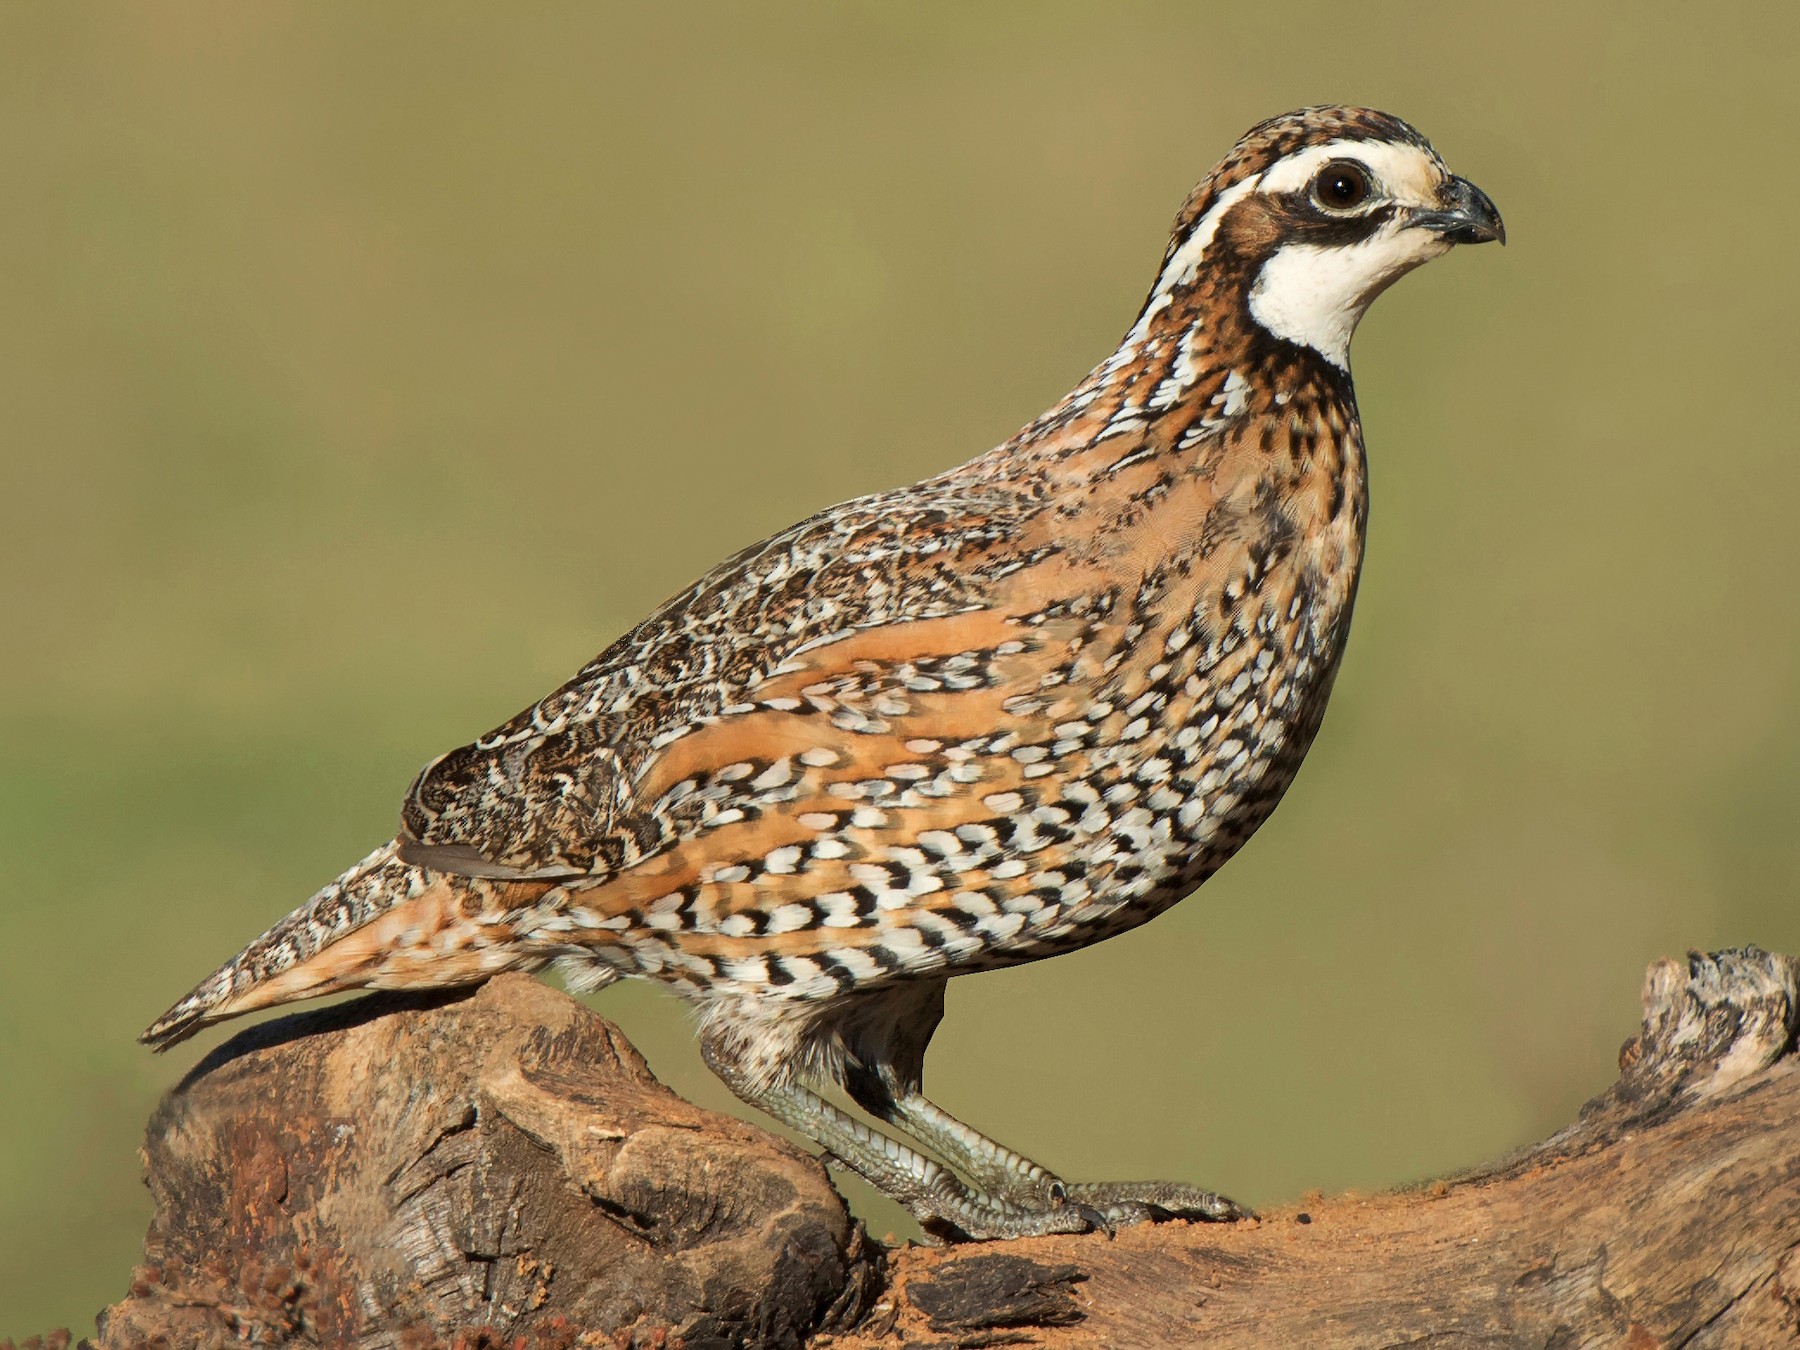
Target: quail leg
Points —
{"points": [[1016, 1179], [932, 1193], [1007, 1175]]}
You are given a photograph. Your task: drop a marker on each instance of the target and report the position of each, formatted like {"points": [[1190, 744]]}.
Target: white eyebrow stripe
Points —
{"points": [[1398, 170]]}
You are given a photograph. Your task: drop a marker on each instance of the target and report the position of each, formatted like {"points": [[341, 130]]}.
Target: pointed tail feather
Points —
{"points": [[273, 969], [189, 1015]]}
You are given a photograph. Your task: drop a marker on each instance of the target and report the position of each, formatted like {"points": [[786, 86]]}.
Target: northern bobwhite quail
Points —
{"points": [[1003, 713]]}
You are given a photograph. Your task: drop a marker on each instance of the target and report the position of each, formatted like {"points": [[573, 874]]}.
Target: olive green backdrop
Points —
{"points": [[365, 368]]}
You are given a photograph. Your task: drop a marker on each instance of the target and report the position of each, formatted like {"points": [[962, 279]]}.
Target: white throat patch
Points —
{"points": [[1315, 295]]}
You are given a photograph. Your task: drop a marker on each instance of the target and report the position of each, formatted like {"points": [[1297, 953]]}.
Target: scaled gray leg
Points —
{"points": [[884, 1075], [929, 1191]]}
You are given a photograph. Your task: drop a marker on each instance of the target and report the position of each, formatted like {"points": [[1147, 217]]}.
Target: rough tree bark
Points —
{"points": [[502, 1170]]}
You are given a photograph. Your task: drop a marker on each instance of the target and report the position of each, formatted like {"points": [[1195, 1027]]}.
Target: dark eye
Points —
{"points": [[1341, 186]]}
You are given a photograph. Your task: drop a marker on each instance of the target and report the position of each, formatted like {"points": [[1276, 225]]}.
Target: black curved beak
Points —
{"points": [[1467, 216]]}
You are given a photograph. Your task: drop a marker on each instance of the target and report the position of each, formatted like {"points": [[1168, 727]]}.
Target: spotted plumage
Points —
{"points": [[1003, 713]]}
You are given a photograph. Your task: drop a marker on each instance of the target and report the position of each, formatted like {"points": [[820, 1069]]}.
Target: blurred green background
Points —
{"points": [[367, 367]]}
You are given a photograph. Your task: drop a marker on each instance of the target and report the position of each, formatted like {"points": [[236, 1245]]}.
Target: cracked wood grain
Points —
{"points": [[396, 1172], [404, 1173]]}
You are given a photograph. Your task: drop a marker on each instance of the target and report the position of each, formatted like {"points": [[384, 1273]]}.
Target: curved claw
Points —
{"points": [[1097, 1220]]}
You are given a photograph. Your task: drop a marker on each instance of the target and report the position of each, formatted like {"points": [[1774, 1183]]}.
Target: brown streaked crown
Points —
{"points": [[1279, 137]]}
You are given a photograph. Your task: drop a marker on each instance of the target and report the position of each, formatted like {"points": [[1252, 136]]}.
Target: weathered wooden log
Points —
{"points": [[502, 1169], [1668, 1215], [398, 1172]]}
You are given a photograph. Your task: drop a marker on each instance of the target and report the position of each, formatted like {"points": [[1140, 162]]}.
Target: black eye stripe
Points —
{"points": [[1304, 222]]}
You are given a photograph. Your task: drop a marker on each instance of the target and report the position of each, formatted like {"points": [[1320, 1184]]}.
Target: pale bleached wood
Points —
{"points": [[1667, 1216]]}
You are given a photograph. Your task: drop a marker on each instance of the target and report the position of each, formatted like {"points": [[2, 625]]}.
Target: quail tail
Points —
{"points": [[383, 924]]}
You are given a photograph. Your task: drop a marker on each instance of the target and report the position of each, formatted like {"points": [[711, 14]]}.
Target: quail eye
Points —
{"points": [[1340, 186]]}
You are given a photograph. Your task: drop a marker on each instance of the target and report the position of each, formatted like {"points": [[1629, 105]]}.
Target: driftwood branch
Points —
{"points": [[502, 1170]]}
